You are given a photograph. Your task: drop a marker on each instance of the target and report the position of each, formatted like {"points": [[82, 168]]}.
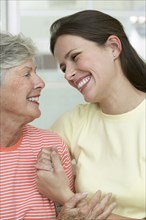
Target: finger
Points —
{"points": [[93, 202], [54, 148], [95, 199], [72, 203], [90, 209], [107, 212], [56, 162], [44, 164], [98, 208], [106, 199], [45, 153], [103, 208]]}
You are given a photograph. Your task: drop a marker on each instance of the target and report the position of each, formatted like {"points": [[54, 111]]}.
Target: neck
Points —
{"points": [[10, 132], [122, 101]]}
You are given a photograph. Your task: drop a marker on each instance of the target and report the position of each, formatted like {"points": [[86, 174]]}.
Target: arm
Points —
{"points": [[54, 185], [52, 180]]}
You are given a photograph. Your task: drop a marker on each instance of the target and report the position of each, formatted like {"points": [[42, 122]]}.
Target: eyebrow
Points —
{"points": [[28, 67], [67, 55]]}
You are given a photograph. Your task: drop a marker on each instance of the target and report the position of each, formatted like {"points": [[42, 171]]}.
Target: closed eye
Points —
{"points": [[27, 74], [75, 56]]}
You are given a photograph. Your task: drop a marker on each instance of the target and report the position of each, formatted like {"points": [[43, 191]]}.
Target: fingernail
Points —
{"points": [[84, 193], [109, 194], [53, 152]]}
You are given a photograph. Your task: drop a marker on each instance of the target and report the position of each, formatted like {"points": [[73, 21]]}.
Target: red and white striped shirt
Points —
{"points": [[19, 196]]}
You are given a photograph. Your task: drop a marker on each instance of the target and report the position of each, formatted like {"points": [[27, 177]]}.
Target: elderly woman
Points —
{"points": [[20, 143]]}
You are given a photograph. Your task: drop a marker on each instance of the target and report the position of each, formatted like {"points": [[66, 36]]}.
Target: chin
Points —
{"points": [[35, 116], [88, 99], [38, 115]]}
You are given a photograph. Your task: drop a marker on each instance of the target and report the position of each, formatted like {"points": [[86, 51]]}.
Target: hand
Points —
{"points": [[53, 183], [94, 209], [44, 161]]}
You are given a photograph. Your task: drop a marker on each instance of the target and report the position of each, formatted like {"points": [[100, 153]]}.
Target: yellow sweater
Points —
{"points": [[110, 152]]}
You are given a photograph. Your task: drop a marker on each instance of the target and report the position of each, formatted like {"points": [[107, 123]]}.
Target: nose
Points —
{"points": [[70, 73], [38, 82]]}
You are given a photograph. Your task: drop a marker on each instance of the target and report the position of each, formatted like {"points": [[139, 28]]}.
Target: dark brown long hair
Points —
{"points": [[97, 26]]}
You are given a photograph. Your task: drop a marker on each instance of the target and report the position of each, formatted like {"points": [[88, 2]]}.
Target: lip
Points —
{"points": [[33, 99], [82, 82]]}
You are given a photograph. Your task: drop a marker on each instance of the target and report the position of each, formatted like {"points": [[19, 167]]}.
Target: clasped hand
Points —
{"points": [[53, 183]]}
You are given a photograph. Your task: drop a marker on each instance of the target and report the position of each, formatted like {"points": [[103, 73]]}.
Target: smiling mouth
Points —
{"points": [[83, 82], [33, 99]]}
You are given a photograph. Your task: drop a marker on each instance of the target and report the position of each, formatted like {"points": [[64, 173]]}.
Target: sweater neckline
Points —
{"points": [[126, 114]]}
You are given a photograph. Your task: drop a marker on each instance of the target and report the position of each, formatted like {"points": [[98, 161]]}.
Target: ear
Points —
{"points": [[114, 42]]}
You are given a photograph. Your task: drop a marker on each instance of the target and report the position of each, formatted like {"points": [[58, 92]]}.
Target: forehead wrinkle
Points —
{"points": [[28, 68]]}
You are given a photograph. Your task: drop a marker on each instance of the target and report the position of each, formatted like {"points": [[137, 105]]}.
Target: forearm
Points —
{"points": [[64, 196], [52, 180]]}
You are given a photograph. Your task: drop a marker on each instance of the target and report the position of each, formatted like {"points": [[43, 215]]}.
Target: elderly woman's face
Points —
{"points": [[20, 91]]}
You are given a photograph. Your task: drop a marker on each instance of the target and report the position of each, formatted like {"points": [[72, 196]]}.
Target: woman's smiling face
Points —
{"points": [[86, 66], [20, 91]]}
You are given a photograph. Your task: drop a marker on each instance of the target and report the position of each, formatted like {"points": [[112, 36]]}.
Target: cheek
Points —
{"points": [[89, 63], [12, 93], [21, 88]]}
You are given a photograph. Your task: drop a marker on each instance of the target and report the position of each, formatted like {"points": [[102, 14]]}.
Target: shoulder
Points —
{"points": [[39, 135], [34, 131], [75, 118], [82, 111], [38, 139], [86, 108], [71, 123]]}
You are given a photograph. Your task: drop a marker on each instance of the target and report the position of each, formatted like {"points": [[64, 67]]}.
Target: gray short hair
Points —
{"points": [[14, 51]]}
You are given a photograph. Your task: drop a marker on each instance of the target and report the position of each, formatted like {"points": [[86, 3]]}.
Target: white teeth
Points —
{"points": [[33, 99], [83, 82]]}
